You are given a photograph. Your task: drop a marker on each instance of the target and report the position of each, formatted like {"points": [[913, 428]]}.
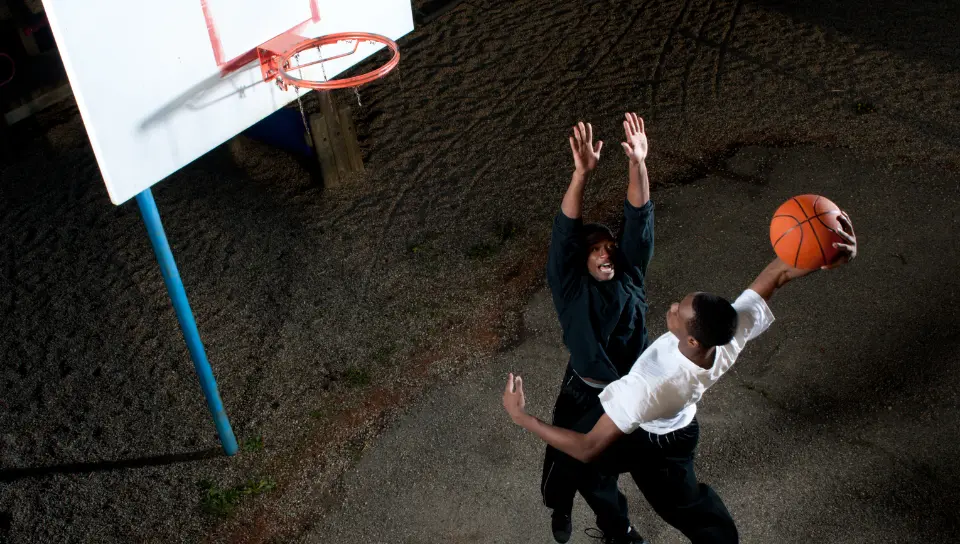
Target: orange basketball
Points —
{"points": [[803, 231]]}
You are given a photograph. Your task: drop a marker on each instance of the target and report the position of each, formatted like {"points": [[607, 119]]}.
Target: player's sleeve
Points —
{"points": [[636, 240], [563, 274], [753, 318], [622, 401]]}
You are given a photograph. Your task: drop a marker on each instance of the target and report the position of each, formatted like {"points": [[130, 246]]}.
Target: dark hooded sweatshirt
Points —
{"points": [[604, 323]]}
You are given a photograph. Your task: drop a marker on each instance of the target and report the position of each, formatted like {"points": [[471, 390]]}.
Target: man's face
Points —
{"points": [[679, 316], [600, 260]]}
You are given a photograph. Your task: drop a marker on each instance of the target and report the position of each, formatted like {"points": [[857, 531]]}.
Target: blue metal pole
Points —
{"points": [[151, 217]]}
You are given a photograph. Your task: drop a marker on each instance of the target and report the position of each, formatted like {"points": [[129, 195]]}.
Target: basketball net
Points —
{"points": [[281, 55]]}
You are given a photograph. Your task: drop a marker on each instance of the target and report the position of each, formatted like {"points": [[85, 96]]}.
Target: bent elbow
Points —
{"points": [[589, 452]]}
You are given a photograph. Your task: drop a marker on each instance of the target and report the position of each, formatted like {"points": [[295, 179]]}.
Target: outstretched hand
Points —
{"points": [[636, 145], [513, 400], [848, 251], [585, 154]]}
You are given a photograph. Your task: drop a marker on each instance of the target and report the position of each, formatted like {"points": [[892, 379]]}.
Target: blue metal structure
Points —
{"points": [[151, 217]]}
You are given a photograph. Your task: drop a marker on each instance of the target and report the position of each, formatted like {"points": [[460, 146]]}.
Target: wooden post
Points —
{"points": [[335, 140], [329, 110], [324, 150], [354, 156]]}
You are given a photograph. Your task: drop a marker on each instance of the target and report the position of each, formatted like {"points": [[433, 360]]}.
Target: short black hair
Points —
{"points": [[591, 233], [714, 320]]}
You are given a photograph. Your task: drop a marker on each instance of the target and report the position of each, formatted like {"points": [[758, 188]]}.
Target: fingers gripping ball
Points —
{"points": [[803, 231]]}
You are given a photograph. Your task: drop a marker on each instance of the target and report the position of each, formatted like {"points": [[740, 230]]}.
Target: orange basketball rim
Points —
{"points": [[280, 56]]}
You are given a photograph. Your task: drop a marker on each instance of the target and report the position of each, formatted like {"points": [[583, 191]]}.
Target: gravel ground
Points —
{"points": [[326, 313], [832, 427]]}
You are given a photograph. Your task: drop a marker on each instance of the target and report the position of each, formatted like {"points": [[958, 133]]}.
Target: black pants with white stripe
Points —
{"points": [[662, 467], [563, 476]]}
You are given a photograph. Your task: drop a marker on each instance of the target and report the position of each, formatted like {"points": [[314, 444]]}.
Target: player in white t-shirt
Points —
{"points": [[645, 422]]}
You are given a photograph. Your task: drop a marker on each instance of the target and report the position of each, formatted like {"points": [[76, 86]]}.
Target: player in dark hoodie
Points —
{"points": [[597, 283]]}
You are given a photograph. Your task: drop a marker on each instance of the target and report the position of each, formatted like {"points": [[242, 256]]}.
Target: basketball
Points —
{"points": [[803, 231]]}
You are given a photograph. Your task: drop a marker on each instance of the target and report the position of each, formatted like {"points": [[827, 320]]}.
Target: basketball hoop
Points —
{"points": [[281, 56]]}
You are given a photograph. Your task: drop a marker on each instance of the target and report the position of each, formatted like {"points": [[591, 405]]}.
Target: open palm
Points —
{"points": [[585, 153], [636, 145]]}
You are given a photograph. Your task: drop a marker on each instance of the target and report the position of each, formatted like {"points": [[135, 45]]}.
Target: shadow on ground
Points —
{"points": [[838, 425], [14, 474]]}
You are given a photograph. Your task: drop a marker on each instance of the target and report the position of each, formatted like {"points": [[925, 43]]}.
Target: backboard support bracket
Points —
{"points": [[271, 52]]}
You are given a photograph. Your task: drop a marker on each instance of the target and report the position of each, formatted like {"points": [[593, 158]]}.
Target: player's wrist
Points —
{"points": [[521, 418], [787, 273], [795, 273]]}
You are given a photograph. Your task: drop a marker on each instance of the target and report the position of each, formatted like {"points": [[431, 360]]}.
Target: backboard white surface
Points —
{"points": [[148, 86], [232, 34]]}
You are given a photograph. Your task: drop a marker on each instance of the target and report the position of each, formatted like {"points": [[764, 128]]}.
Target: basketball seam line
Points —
{"points": [[803, 211], [828, 227], [799, 223], [788, 231], [807, 219], [815, 236], [796, 259]]}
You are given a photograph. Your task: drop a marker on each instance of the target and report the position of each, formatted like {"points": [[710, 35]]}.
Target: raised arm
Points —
{"points": [[778, 273], [636, 146], [563, 272], [636, 243], [585, 157], [572, 204]]}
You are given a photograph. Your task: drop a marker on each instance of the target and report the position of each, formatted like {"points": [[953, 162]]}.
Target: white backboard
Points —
{"points": [[147, 77]]}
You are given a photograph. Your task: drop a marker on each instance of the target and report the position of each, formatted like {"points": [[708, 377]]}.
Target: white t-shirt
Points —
{"points": [[660, 393]]}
